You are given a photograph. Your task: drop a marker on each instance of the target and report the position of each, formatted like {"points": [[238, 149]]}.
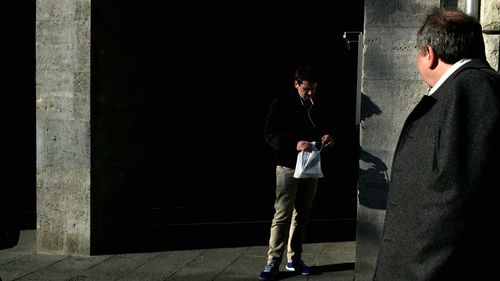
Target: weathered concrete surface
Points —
{"points": [[63, 126]]}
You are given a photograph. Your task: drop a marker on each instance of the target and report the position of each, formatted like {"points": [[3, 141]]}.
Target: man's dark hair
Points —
{"points": [[453, 35], [306, 73]]}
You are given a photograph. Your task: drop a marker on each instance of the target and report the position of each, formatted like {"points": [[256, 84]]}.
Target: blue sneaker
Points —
{"points": [[269, 272], [298, 266]]}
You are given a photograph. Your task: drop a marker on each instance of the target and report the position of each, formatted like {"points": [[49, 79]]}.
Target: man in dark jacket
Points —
{"points": [[441, 208], [293, 123]]}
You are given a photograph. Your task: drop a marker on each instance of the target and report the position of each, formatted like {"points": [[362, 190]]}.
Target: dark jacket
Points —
{"points": [[288, 122], [441, 208]]}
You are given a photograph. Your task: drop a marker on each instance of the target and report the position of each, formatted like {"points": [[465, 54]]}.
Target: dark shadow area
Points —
{"points": [[373, 175], [18, 191], [368, 107], [374, 181], [449, 3], [179, 106], [211, 234], [317, 270]]}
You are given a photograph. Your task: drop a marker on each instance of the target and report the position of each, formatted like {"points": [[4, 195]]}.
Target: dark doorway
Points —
{"points": [[211, 78], [18, 191]]}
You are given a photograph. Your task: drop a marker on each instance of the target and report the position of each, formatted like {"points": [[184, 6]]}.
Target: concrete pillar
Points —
{"points": [[91, 135], [63, 126]]}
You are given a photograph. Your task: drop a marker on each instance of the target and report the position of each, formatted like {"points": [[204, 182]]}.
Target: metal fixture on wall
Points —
{"points": [[472, 8], [356, 37]]}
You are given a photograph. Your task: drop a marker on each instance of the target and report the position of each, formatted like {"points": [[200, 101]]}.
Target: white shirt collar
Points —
{"points": [[447, 74]]}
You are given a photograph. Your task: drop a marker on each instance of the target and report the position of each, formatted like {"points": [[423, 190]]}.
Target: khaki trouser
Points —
{"points": [[294, 200]]}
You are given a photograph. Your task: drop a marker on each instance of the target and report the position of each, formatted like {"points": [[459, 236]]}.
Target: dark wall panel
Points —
{"points": [[18, 191]]}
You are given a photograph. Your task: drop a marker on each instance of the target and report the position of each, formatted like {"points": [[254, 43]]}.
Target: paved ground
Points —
{"points": [[332, 261]]}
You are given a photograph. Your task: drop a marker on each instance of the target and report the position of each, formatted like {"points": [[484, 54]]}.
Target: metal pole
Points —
{"points": [[358, 78], [359, 39], [472, 8]]}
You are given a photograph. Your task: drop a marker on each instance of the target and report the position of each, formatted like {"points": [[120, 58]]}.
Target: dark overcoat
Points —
{"points": [[442, 212]]}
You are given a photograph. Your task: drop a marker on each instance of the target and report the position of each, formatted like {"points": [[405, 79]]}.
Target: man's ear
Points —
{"points": [[432, 58]]}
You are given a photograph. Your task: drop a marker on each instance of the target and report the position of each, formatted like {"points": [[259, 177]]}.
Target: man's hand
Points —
{"points": [[304, 145], [327, 141]]}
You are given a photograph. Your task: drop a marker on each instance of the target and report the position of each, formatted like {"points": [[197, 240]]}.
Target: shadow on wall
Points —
{"points": [[373, 175]]}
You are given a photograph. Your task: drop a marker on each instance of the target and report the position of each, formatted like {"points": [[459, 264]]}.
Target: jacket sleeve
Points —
{"points": [[275, 131]]}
